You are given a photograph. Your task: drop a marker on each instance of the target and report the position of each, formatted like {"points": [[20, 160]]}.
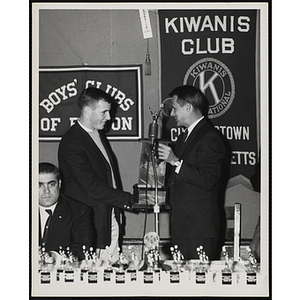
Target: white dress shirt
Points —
{"points": [[44, 215]]}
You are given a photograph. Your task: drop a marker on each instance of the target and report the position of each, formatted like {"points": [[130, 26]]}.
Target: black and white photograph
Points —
{"points": [[150, 149]]}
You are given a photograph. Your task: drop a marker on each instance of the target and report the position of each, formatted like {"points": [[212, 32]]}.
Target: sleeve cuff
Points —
{"points": [[177, 170]]}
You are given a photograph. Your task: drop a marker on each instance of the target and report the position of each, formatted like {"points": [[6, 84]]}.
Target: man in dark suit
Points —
{"points": [[63, 222], [197, 163], [90, 172]]}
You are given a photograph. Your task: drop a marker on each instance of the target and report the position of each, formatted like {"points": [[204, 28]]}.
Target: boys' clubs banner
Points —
{"points": [[216, 51], [59, 89]]}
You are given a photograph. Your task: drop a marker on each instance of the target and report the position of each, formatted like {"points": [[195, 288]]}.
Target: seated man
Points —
{"points": [[63, 222]]}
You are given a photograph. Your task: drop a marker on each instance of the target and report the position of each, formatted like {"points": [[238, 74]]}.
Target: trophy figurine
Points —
{"points": [[177, 256], [251, 258], [203, 259], [252, 268]]}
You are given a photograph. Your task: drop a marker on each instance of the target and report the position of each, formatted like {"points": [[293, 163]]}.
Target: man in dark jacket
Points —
{"points": [[64, 222], [194, 184], [90, 172]]}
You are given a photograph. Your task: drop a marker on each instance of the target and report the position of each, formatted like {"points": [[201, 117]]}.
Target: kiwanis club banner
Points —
{"points": [[59, 89], [215, 50]]}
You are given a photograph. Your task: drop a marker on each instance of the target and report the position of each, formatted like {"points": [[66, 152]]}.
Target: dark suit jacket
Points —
{"points": [[71, 226], [87, 177], [194, 191]]}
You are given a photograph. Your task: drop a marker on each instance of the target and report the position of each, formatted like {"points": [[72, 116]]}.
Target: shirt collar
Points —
{"points": [[192, 126], [52, 207]]}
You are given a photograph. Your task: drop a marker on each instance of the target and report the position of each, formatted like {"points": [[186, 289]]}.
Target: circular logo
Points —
{"points": [[215, 80], [151, 240]]}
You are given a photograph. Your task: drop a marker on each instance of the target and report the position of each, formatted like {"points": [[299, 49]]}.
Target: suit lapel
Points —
{"points": [[106, 147], [180, 142], [88, 141], [112, 161], [60, 218], [193, 138]]}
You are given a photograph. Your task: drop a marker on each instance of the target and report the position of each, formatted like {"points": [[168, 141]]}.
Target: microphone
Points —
{"points": [[153, 133], [166, 109], [153, 130]]}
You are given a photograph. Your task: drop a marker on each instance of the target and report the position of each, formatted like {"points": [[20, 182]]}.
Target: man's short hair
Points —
{"points": [[91, 96], [48, 168], [192, 95]]}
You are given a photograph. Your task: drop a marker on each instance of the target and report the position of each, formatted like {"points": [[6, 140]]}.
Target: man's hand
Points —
{"points": [[166, 153]]}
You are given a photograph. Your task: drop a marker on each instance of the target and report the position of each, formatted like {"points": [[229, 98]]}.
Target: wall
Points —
{"points": [[100, 37]]}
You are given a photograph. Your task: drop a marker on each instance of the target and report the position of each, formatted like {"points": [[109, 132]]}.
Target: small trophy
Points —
{"points": [[201, 270], [226, 272], [151, 240], [252, 267], [108, 271], [149, 272], [177, 262], [123, 265], [45, 258], [71, 259], [69, 271], [60, 264], [203, 258], [84, 267], [92, 261], [133, 264], [45, 274], [177, 256], [251, 258]]}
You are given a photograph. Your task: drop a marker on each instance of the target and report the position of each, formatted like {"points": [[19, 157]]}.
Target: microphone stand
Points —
{"points": [[153, 241], [153, 144], [156, 206]]}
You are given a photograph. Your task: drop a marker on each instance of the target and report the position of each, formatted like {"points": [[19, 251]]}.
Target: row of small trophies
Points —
{"points": [[65, 259], [152, 257], [151, 268], [91, 260]]}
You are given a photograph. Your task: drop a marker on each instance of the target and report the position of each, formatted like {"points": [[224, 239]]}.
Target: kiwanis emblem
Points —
{"points": [[215, 80]]}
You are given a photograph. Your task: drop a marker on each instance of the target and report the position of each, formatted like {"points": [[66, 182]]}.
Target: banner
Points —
{"points": [[215, 50], [59, 89]]}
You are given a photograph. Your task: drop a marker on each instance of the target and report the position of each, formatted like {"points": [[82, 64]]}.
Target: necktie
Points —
{"points": [[185, 134], [47, 225], [182, 137]]}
